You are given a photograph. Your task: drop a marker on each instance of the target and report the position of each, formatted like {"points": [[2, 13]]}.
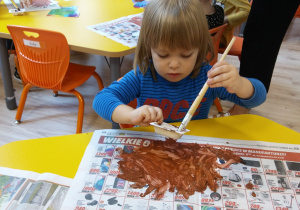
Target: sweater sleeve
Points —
{"points": [[259, 96], [242, 10], [238, 18], [119, 92]]}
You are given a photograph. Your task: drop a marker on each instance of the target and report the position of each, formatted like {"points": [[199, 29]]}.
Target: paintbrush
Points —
{"points": [[16, 6], [198, 99]]}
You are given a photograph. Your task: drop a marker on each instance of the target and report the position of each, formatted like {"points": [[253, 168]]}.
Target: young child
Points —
{"points": [[214, 13], [236, 12], [170, 69]]}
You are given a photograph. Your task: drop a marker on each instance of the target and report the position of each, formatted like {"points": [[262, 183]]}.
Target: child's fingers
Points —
{"points": [[218, 84], [159, 115], [155, 114], [152, 115], [219, 64], [146, 115], [217, 71], [219, 80]]}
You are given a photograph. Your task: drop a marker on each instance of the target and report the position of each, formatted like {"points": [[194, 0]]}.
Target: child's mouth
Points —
{"points": [[174, 75]]}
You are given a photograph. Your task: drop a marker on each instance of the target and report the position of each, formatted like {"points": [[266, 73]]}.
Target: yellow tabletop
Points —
{"points": [[80, 38], [61, 155]]}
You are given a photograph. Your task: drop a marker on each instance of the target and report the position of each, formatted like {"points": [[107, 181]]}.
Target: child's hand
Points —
{"points": [[225, 75], [143, 115]]}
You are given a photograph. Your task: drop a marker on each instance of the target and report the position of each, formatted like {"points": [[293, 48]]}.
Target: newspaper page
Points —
{"points": [[124, 30], [30, 6], [273, 168], [28, 190]]}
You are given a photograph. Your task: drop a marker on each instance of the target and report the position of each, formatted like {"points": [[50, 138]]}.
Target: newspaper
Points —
{"points": [[124, 30], [32, 7], [273, 168], [28, 190]]}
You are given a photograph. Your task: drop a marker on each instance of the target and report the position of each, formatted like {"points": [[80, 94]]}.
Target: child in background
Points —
{"points": [[214, 13], [170, 69], [236, 12]]}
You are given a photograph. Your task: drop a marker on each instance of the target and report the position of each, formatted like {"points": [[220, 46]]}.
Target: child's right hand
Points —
{"points": [[146, 114]]}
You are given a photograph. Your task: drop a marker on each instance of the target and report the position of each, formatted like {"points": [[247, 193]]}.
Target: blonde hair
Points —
{"points": [[175, 24]]}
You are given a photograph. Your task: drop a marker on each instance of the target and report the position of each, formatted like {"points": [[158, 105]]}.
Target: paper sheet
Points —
{"points": [[52, 5], [273, 169], [65, 12], [21, 189], [124, 30]]}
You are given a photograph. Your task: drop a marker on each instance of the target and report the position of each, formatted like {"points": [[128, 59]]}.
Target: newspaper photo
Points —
{"points": [[272, 168], [124, 30], [28, 190], [31, 6]]}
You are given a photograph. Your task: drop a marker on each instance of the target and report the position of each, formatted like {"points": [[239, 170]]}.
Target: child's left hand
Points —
{"points": [[222, 74], [225, 75]]}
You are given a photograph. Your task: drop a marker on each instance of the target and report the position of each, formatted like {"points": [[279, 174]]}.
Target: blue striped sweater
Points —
{"points": [[174, 98]]}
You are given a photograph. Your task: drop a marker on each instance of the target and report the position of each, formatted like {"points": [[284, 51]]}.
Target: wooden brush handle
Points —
{"points": [[227, 49], [198, 99], [205, 86]]}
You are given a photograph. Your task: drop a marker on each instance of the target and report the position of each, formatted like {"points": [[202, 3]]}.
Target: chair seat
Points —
{"points": [[236, 48], [76, 75]]}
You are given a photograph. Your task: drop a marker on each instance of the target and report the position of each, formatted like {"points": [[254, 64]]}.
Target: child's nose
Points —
{"points": [[174, 63]]}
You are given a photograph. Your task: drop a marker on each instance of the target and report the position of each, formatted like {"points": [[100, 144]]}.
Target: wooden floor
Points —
{"points": [[46, 116]]}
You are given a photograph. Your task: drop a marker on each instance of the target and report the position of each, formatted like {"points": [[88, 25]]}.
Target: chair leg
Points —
{"points": [[55, 93], [10, 52], [99, 80], [18, 69], [218, 105], [80, 110], [22, 103]]}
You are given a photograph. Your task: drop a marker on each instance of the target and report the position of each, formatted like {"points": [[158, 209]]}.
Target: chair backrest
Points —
{"points": [[43, 55], [216, 34], [297, 14]]}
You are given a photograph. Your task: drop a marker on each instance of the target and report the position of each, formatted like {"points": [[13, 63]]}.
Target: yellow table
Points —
{"points": [[79, 37], [61, 155]]}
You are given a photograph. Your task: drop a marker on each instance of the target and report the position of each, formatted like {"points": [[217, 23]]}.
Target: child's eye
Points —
{"points": [[187, 56], [162, 56]]}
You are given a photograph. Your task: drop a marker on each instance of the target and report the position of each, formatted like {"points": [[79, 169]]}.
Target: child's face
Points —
{"points": [[174, 65]]}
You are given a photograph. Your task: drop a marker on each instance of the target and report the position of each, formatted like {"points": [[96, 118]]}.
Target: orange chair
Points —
{"points": [[216, 34], [216, 37], [43, 57], [236, 49]]}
